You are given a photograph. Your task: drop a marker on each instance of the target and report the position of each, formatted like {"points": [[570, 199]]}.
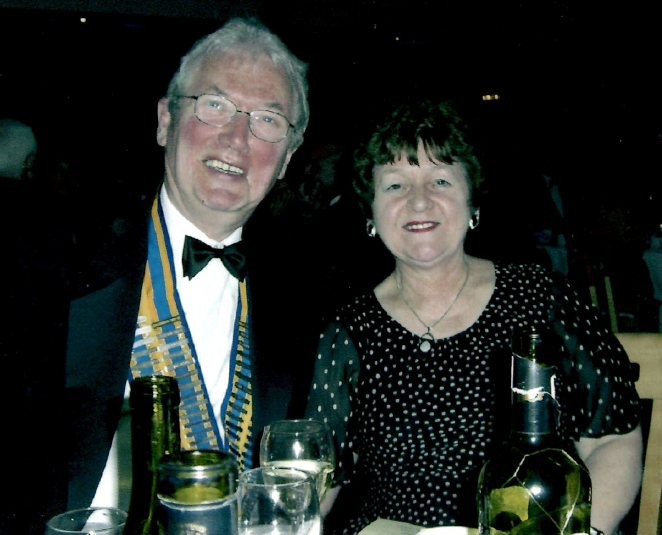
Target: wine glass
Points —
{"points": [[277, 501], [91, 521], [302, 444]]}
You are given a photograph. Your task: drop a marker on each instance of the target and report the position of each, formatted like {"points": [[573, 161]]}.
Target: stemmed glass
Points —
{"points": [[302, 444], [277, 501]]}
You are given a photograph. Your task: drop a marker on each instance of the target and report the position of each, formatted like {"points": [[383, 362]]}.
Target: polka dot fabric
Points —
{"points": [[423, 425]]}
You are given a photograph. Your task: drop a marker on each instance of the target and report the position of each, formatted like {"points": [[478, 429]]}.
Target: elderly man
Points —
{"points": [[175, 283]]}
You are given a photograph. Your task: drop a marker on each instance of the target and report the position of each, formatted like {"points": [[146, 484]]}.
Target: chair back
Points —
{"points": [[645, 349]]}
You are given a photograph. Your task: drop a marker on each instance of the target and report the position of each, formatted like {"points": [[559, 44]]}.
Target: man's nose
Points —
{"points": [[237, 132]]}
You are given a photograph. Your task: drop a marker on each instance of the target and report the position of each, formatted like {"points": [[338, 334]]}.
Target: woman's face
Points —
{"points": [[421, 212]]}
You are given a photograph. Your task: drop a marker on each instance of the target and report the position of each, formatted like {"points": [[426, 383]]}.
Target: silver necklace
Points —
{"points": [[427, 338]]}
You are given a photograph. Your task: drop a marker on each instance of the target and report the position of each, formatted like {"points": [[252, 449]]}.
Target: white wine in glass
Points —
{"points": [[302, 444]]}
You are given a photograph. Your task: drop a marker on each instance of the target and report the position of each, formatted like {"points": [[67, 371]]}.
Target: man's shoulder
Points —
{"points": [[108, 245]]}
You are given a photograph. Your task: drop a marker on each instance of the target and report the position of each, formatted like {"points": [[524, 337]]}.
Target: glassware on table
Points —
{"points": [[91, 521], [302, 444], [197, 493], [277, 501]]}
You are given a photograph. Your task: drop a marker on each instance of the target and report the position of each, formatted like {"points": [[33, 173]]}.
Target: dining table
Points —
{"points": [[383, 526]]}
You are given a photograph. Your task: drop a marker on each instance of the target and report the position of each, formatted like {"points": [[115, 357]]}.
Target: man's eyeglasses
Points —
{"points": [[218, 111]]}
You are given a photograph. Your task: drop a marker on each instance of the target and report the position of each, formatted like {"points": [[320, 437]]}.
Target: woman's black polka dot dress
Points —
{"points": [[423, 424]]}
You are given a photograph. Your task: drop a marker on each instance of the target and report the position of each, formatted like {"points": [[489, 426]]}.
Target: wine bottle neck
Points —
{"points": [[534, 410], [536, 421], [154, 434]]}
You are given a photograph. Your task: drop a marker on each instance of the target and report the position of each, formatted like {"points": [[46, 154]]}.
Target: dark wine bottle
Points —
{"points": [[534, 484], [154, 433]]}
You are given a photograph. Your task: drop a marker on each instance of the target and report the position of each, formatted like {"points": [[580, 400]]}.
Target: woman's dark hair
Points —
{"points": [[398, 132]]}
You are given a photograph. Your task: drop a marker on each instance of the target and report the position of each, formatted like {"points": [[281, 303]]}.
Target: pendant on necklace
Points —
{"points": [[425, 344]]}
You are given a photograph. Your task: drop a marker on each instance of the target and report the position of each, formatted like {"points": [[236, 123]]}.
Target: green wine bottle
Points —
{"points": [[154, 433], [534, 484]]}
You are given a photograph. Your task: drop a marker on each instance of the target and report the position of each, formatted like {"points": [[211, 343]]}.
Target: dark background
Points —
{"points": [[582, 77], [578, 85]]}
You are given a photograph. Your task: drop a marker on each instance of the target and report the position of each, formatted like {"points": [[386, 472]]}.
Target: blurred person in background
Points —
{"points": [[18, 149]]}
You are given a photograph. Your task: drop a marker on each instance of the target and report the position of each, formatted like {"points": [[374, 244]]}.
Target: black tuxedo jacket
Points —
{"points": [[76, 396]]}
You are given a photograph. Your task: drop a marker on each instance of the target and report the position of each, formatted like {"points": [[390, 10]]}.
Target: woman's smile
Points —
{"points": [[421, 226]]}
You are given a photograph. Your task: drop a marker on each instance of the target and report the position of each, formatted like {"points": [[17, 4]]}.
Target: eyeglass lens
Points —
{"points": [[219, 111]]}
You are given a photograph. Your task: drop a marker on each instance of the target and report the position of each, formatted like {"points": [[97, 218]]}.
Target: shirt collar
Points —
{"points": [[179, 227]]}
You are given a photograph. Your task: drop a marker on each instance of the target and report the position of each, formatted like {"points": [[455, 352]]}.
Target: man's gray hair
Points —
{"points": [[248, 34]]}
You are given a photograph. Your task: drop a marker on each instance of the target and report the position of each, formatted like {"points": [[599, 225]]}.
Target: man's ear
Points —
{"points": [[164, 118], [288, 157]]}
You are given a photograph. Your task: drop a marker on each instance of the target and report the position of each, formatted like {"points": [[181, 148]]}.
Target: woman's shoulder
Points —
{"points": [[530, 277], [352, 308], [521, 270], [530, 285]]}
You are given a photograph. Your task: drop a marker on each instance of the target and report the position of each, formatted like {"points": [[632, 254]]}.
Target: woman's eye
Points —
{"points": [[393, 187], [441, 182]]}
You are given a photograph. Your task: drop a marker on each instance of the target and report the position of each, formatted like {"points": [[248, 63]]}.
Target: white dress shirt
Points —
{"points": [[209, 302]]}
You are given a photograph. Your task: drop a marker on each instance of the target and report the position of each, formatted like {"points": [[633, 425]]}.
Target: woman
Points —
{"points": [[408, 375]]}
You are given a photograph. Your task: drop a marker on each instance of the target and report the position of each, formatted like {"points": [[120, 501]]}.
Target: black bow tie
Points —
{"points": [[197, 255]]}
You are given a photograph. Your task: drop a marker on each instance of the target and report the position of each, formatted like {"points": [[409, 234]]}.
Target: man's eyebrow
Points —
{"points": [[274, 105], [214, 90]]}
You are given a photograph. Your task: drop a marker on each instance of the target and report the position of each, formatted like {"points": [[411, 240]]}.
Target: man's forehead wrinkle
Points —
{"points": [[211, 88]]}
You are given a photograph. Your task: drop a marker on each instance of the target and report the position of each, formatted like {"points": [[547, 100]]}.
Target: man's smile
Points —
{"points": [[224, 167]]}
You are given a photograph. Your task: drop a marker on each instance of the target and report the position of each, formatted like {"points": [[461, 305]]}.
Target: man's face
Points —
{"points": [[216, 177]]}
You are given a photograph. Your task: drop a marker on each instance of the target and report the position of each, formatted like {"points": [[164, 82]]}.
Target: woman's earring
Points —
{"points": [[370, 228], [475, 219]]}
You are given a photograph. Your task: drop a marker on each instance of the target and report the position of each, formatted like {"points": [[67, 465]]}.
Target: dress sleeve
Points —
{"points": [[597, 391], [332, 390]]}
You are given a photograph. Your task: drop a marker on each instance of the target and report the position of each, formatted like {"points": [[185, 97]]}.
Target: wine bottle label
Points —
{"points": [[534, 408], [529, 375], [534, 394]]}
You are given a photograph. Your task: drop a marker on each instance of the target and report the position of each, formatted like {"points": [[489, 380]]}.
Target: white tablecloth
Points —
{"points": [[382, 526]]}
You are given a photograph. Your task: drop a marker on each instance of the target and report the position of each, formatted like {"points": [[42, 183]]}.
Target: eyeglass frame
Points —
{"points": [[237, 110]]}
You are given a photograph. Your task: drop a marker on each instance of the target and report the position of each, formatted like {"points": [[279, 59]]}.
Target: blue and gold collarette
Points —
{"points": [[163, 346], [239, 399]]}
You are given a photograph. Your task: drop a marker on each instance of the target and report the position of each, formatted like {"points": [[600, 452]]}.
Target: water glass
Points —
{"points": [[277, 501], [197, 494], [91, 521]]}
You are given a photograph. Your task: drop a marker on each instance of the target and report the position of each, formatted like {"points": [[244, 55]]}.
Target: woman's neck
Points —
{"points": [[458, 293], [437, 284]]}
